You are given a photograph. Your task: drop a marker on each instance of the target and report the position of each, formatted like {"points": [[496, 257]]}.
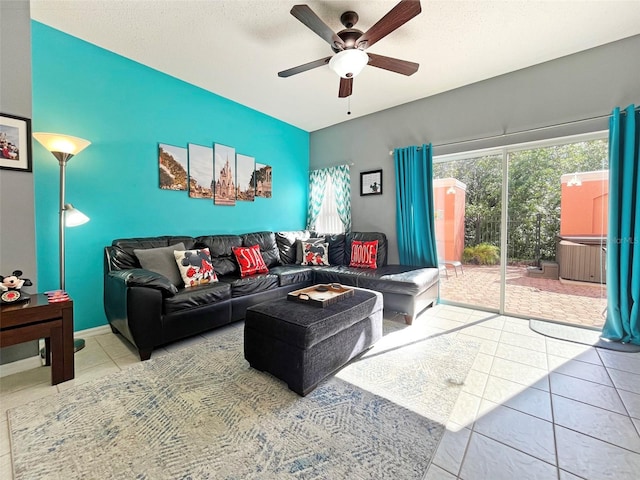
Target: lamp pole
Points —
{"points": [[62, 160], [63, 147]]}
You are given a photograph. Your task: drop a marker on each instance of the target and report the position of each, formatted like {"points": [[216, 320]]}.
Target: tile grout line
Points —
{"points": [[552, 423], [457, 474], [596, 438], [624, 405], [472, 429], [523, 384], [25, 387], [521, 363], [500, 340], [114, 359], [584, 403], [553, 415], [591, 404], [594, 406], [513, 448]]}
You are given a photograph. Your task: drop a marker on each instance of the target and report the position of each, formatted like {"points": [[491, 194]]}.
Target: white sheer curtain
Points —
{"points": [[328, 220], [330, 200]]}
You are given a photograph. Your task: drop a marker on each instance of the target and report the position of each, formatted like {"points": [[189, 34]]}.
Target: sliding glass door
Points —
{"points": [[468, 205], [522, 230], [557, 232]]}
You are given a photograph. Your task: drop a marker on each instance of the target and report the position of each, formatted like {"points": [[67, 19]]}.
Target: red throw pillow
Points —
{"points": [[364, 254], [250, 260]]}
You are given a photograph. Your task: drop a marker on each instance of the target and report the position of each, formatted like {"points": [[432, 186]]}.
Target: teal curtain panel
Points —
{"points": [[623, 238], [317, 186], [414, 206]]}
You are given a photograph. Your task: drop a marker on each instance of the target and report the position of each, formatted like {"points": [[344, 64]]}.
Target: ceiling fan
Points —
{"points": [[349, 44]]}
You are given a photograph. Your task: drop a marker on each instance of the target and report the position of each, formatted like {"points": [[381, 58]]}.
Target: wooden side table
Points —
{"points": [[35, 319]]}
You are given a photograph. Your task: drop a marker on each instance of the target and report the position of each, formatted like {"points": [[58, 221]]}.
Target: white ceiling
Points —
{"points": [[235, 48]]}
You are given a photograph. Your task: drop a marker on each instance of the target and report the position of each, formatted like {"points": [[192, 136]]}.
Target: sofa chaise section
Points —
{"points": [[405, 289]]}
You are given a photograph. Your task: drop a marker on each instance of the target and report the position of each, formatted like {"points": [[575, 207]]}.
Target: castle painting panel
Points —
{"points": [[225, 187], [172, 165], [263, 180], [200, 171], [245, 169]]}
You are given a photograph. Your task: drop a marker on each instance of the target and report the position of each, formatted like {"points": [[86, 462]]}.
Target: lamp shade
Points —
{"points": [[55, 142], [348, 63], [73, 217]]}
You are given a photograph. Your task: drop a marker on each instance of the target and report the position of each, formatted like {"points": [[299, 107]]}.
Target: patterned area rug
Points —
{"points": [[202, 412]]}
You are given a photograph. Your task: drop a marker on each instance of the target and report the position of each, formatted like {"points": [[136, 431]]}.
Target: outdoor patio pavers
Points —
{"points": [[570, 302]]}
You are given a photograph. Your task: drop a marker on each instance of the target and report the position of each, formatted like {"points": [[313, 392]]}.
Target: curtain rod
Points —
{"points": [[349, 164], [504, 135]]}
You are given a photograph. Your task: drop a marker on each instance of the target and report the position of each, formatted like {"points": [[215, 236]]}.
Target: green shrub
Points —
{"points": [[481, 254]]}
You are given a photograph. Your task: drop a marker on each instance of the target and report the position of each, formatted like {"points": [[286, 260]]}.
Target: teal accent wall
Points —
{"points": [[125, 109]]}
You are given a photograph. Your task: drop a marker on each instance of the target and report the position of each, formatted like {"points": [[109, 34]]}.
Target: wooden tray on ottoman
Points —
{"points": [[321, 295]]}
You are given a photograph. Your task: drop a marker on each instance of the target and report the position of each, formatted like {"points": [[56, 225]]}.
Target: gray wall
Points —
{"points": [[17, 231], [579, 86]]}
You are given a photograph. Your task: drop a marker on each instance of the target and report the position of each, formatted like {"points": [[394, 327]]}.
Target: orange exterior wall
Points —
{"points": [[449, 217], [584, 208]]}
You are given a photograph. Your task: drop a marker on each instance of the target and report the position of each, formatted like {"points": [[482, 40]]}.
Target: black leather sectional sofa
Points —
{"points": [[148, 310]]}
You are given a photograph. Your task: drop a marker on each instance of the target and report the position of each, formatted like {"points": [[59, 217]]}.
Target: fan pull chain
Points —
{"points": [[349, 106]]}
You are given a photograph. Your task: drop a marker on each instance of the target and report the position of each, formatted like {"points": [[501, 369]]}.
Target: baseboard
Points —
{"points": [[34, 362], [92, 332]]}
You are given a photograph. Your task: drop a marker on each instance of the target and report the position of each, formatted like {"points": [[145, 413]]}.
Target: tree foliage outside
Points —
{"points": [[534, 195]]}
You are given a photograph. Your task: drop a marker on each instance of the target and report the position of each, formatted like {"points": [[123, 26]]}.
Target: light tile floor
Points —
{"points": [[532, 407]]}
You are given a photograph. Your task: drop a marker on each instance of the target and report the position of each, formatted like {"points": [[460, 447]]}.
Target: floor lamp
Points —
{"points": [[63, 147]]}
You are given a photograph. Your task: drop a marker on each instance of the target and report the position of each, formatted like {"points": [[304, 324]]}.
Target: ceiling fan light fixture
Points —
{"points": [[348, 63]]}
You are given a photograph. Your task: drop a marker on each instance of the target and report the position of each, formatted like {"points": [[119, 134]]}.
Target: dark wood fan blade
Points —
{"points": [[393, 64], [346, 87], [305, 67], [396, 17], [311, 20]]}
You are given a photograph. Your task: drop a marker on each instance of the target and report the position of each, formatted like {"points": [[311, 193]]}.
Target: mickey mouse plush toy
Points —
{"points": [[11, 285]]}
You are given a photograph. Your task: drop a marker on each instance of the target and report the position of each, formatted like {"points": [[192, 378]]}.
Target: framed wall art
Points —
{"points": [[225, 175], [262, 180], [371, 182], [245, 171], [172, 167], [200, 171], [15, 143]]}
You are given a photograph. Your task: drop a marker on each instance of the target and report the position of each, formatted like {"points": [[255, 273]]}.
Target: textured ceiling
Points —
{"points": [[235, 48]]}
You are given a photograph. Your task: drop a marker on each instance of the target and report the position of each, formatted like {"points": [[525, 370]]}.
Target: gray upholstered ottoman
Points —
{"points": [[303, 344]]}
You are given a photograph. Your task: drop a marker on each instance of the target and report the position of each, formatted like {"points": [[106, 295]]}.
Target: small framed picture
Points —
{"points": [[371, 182], [15, 143]]}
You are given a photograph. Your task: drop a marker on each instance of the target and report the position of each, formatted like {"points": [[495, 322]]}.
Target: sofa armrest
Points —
{"points": [[133, 304], [138, 277]]}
